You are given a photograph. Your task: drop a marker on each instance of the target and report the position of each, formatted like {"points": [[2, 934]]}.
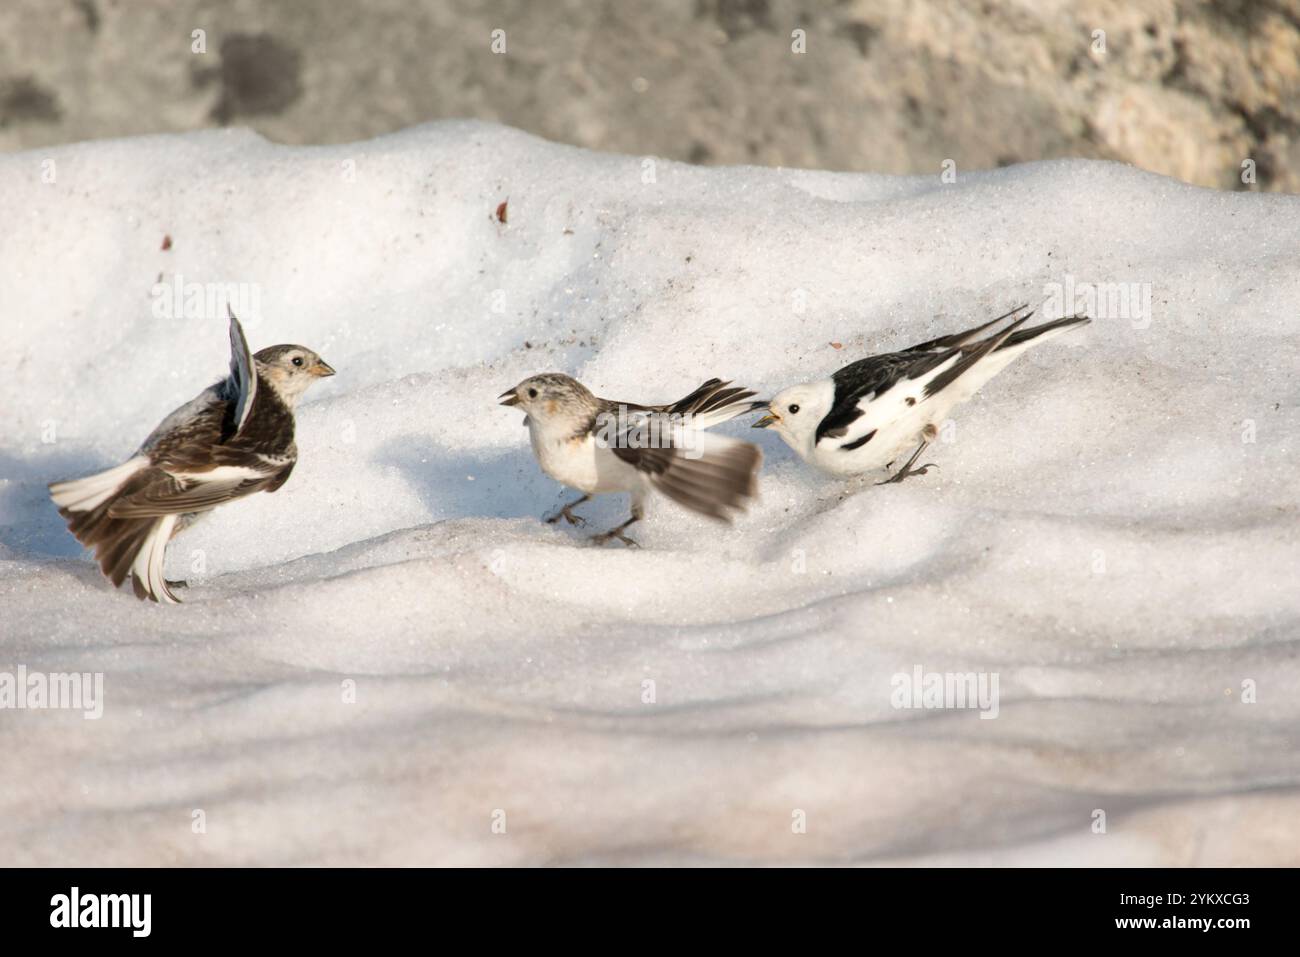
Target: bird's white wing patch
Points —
{"points": [[225, 475], [243, 374], [189, 492], [897, 405]]}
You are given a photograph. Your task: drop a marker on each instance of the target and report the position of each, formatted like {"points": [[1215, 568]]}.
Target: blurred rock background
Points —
{"points": [[1186, 88]]}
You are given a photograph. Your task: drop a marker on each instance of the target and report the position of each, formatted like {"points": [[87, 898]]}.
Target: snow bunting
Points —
{"points": [[233, 439], [865, 414], [597, 445]]}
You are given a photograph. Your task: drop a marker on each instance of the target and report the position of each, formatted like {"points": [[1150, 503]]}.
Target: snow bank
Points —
{"points": [[1112, 531]]}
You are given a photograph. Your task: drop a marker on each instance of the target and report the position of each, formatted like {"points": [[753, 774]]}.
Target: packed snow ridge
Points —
{"points": [[391, 660]]}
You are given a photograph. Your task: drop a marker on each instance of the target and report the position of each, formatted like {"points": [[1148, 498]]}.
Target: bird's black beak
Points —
{"points": [[509, 397], [765, 421]]}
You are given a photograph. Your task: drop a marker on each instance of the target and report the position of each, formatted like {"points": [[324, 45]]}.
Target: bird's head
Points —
{"points": [[795, 413], [552, 397], [291, 369]]}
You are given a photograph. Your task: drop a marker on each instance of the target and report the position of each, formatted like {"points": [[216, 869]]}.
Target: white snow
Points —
{"points": [[1113, 528]]}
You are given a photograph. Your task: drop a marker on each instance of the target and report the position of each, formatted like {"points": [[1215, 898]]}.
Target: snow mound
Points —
{"points": [[391, 661]]}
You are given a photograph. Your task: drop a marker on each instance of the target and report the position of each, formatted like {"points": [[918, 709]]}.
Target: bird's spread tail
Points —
{"points": [[713, 403], [122, 546], [712, 474]]}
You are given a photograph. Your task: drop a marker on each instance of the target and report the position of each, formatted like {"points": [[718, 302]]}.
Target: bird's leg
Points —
{"points": [[566, 513], [604, 537], [907, 469]]}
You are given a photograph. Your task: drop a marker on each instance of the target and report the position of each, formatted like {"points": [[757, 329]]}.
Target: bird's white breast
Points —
{"points": [[898, 417], [580, 462], [885, 446]]}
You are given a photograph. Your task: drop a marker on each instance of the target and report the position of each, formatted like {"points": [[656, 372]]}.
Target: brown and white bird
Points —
{"points": [[597, 445], [233, 439]]}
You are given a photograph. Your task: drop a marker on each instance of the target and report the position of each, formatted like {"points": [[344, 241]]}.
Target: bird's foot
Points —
{"points": [[565, 513], [905, 472], [613, 533], [180, 584]]}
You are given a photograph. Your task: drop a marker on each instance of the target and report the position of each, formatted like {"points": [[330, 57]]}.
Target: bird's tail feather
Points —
{"points": [[147, 568], [121, 545]]}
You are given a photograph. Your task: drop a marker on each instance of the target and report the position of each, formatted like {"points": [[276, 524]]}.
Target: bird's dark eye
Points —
{"points": [[794, 409], [297, 360], [532, 393]]}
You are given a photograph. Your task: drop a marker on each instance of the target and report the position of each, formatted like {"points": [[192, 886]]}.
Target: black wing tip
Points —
{"points": [[1013, 314], [971, 355], [710, 396], [1033, 332]]}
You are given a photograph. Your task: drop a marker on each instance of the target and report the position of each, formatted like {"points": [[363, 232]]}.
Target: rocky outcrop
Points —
{"points": [[1208, 92]]}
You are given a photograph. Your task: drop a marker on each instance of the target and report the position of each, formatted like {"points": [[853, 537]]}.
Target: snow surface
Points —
{"points": [[1102, 532]]}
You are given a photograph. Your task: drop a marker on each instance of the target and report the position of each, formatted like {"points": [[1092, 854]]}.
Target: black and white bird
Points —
{"points": [[866, 414], [597, 446], [233, 439]]}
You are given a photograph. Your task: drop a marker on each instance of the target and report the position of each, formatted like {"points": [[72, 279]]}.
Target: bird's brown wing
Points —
{"points": [[178, 495], [713, 476]]}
